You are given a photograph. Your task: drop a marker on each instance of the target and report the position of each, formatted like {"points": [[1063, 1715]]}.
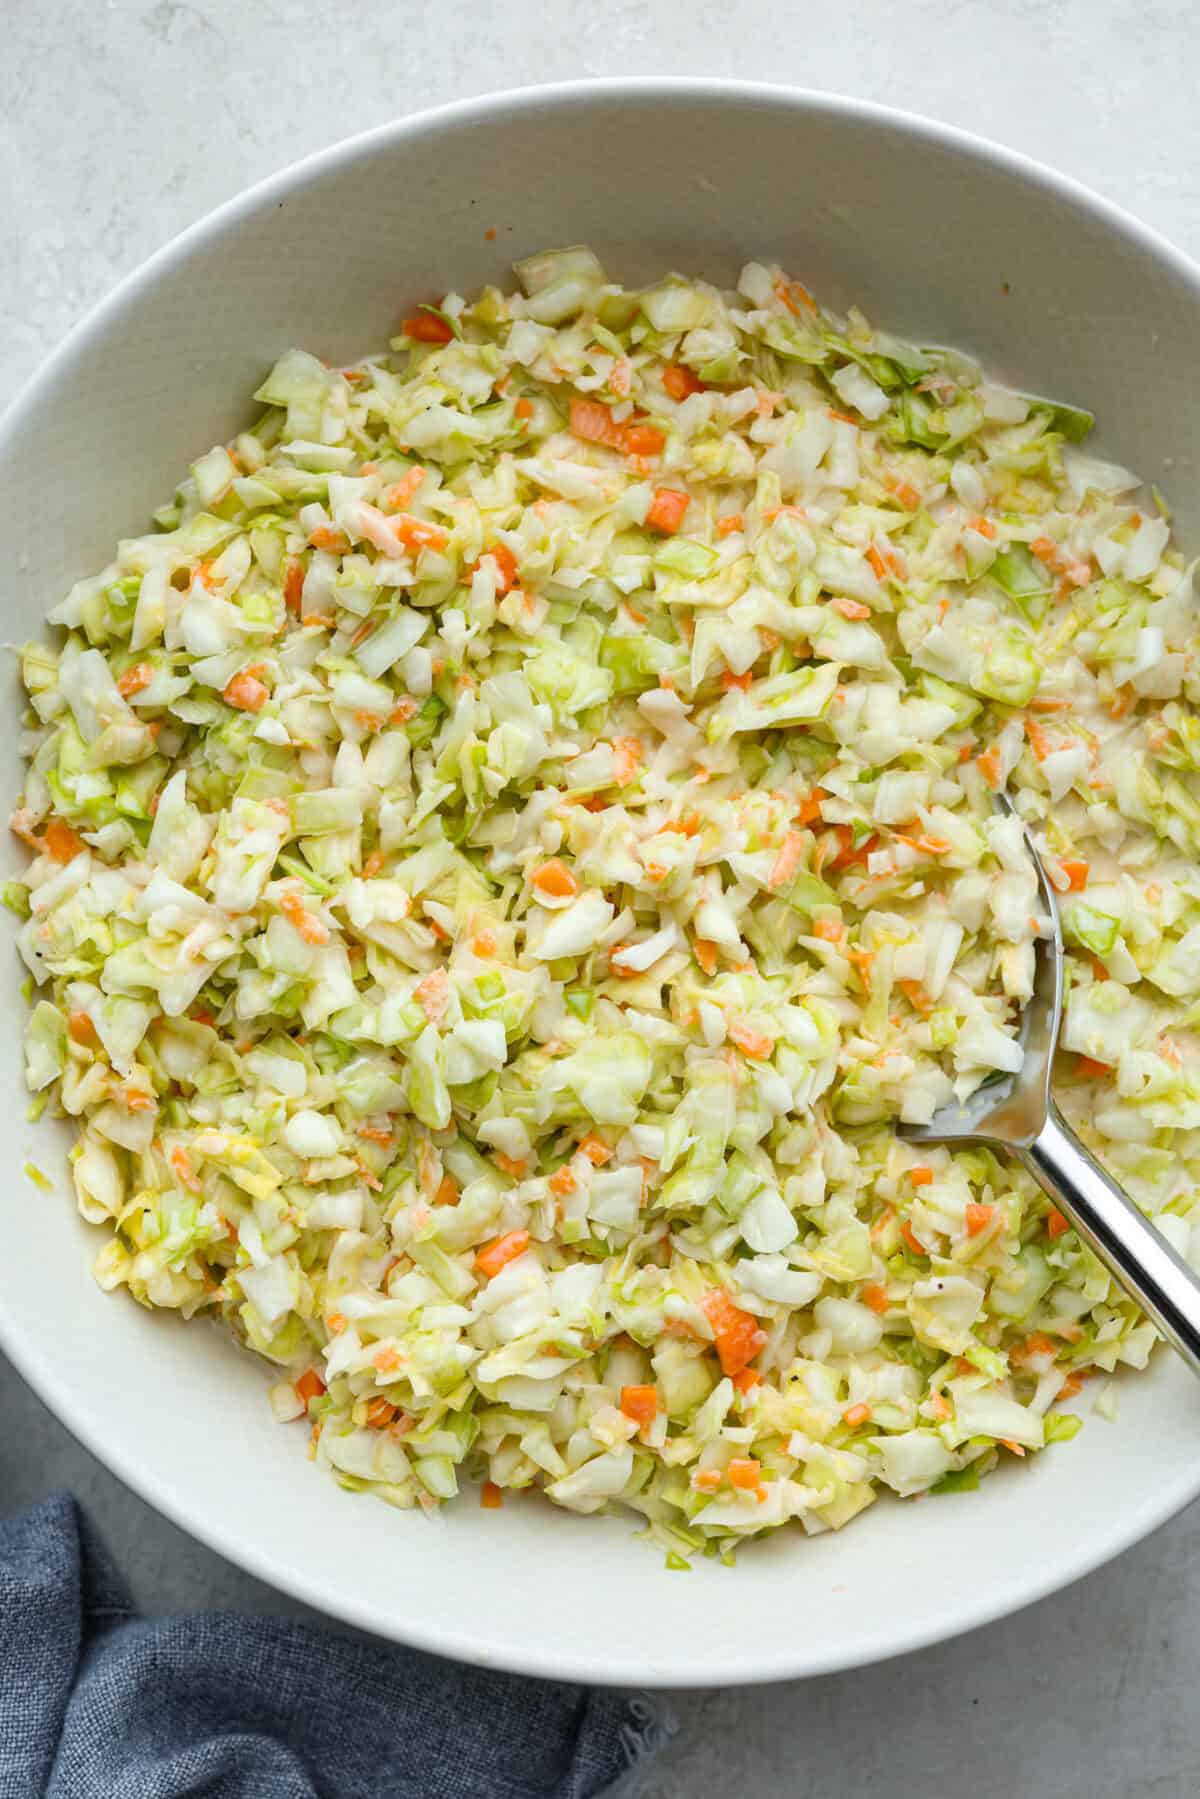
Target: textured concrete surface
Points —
{"points": [[126, 120]]}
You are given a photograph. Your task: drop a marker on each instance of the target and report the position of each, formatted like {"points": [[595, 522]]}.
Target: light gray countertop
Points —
{"points": [[125, 120]]}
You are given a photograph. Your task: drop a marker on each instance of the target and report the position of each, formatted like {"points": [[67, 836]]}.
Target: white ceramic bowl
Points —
{"points": [[936, 235]]}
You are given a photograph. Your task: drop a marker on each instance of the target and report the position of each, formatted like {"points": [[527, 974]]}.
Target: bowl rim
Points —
{"points": [[968, 1611]]}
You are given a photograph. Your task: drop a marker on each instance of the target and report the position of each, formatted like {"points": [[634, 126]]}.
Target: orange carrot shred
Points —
{"points": [[494, 1256], [737, 1334], [427, 328], [640, 1404], [309, 1386], [667, 510]]}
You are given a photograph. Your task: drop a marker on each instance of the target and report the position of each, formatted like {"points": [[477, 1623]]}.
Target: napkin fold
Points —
{"points": [[95, 1700]]}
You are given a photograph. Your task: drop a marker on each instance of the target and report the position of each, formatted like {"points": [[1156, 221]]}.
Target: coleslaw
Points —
{"points": [[516, 837]]}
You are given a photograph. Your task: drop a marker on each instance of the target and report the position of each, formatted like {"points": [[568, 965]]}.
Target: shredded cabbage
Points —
{"points": [[514, 840]]}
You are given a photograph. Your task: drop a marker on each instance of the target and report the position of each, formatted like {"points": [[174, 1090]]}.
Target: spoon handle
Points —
{"points": [[1137, 1255]]}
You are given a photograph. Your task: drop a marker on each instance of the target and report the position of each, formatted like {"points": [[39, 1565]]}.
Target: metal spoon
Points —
{"points": [[1018, 1113]]}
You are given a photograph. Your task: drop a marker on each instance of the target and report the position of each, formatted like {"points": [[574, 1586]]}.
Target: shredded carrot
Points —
{"points": [[705, 952], [1077, 875], [81, 1030], [862, 959], [744, 1472], [737, 1334], [594, 423], [246, 692], [877, 563], [916, 996], [906, 493], [667, 510], [301, 920], [490, 1496], [135, 679], [309, 1386], [380, 1413], [921, 1175], [427, 328], [990, 767], [1056, 1225], [627, 755], [914, 1243], [984, 526], [644, 440], [746, 1379], [733, 521], [62, 842], [181, 1162], [795, 296], [1037, 1344], [372, 865], [562, 1181], [1089, 1069], [386, 1360], [372, 1133], [483, 944], [402, 491], [554, 879], [680, 382], [506, 566], [1040, 741], [418, 533], [640, 1404], [854, 1415], [730, 681], [978, 1218], [447, 1192], [926, 845], [787, 861], [752, 1043], [523, 408], [706, 1480], [595, 1149], [511, 1165], [326, 538], [843, 418], [500, 1252], [874, 1294], [809, 810], [848, 852], [850, 608], [134, 1100], [432, 994], [829, 930]]}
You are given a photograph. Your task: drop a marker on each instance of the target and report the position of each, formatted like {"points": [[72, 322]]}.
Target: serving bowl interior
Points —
{"points": [[934, 235]]}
